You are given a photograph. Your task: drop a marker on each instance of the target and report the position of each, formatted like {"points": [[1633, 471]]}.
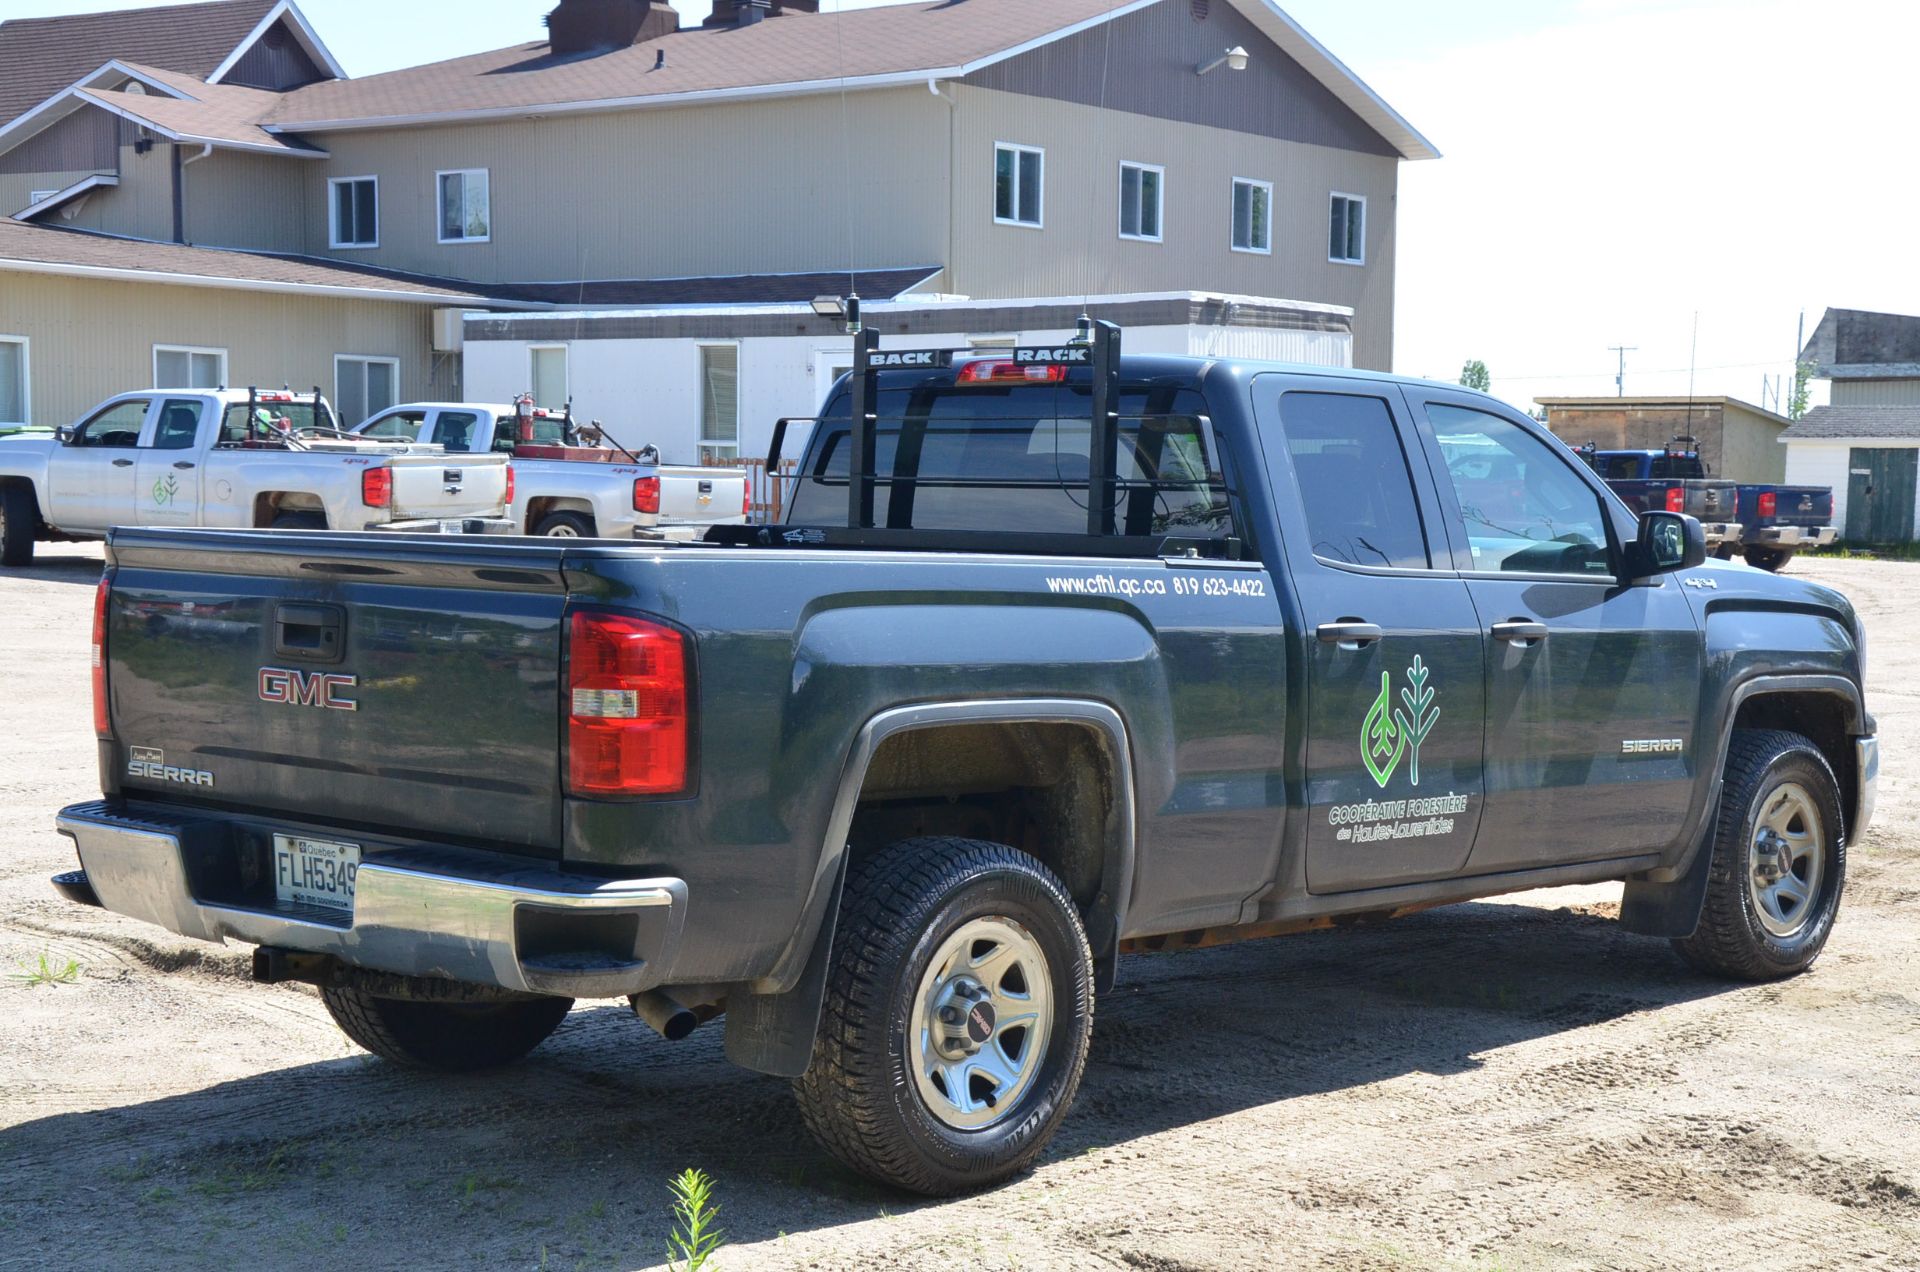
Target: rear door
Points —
{"points": [[394, 686], [168, 481], [92, 476], [1394, 652], [1593, 686]]}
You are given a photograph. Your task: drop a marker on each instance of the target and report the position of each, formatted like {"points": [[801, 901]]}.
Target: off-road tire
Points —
{"points": [[449, 1037], [1772, 560], [565, 525], [300, 521], [19, 523], [1731, 941], [859, 1097]]}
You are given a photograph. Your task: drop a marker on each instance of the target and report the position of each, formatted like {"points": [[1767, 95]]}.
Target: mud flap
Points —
{"points": [[773, 1033], [1669, 909]]}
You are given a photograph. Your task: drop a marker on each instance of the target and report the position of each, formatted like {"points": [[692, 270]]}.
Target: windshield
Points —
{"points": [[1015, 459]]}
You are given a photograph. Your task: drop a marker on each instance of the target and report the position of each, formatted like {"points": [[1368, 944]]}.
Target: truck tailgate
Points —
{"points": [[1803, 505], [401, 685], [428, 486], [701, 495]]}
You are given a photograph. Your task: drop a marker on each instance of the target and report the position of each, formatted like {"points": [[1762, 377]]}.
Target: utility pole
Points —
{"points": [[1620, 380]]}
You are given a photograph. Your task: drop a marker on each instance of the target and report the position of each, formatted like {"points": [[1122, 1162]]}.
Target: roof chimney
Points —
{"points": [[597, 26]]}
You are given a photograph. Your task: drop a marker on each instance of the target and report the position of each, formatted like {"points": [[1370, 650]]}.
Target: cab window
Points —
{"points": [[116, 426], [401, 425], [1355, 487], [1525, 509], [178, 424]]}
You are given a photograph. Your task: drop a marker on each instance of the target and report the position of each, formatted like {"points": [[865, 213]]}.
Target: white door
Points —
{"points": [[168, 480], [92, 476]]}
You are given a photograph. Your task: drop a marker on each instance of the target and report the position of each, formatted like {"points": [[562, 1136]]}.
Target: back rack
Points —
{"points": [[1097, 347]]}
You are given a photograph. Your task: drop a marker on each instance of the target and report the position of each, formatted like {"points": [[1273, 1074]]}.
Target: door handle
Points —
{"points": [[1520, 631], [1349, 633], [123, 463], [182, 463]]}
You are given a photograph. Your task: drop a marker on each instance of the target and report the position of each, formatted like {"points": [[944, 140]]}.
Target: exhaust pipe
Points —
{"points": [[669, 1019]]}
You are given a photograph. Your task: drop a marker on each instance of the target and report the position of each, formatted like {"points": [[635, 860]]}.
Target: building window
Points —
{"points": [[1252, 216], [547, 375], [363, 386], [15, 403], [185, 367], [1347, 242], [719, 403], [1141, 197], [354, 219], [1019, 184], [465, 216]]}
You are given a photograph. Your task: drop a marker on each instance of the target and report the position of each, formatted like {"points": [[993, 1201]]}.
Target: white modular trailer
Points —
{"points": [[707, 383]]}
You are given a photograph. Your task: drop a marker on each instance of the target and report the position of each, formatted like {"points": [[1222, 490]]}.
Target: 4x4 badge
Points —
{"points": [[1390, 734]]}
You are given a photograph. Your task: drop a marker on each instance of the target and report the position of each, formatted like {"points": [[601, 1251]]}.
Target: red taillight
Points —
{"points": [[509, 498], [746, 498], [1769, 503], [646, 494], [1676, 499], [627, 725], [376, 487], [1003, 372], [102, 728]]}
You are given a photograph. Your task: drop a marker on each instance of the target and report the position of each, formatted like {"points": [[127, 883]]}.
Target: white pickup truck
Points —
{"points": [[234, 458], [592, 494]]}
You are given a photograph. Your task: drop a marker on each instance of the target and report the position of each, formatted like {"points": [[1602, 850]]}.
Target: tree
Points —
{"points": [[1802, 379], [1474, 375]]}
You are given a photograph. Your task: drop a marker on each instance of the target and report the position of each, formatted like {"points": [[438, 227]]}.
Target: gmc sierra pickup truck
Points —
{"points": [[233, 457], [1057, 658]]}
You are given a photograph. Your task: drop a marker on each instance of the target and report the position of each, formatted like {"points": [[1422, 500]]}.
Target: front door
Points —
{"points": [[167, 481], [1880, 492], [91, 477], [1392, 645], [1593, 686]]}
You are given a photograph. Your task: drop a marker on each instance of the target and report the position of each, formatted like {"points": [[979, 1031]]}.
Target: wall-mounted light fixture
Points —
{"points": [[1234, 59]]}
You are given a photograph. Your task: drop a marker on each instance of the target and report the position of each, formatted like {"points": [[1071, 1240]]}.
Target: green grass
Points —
{"points": [[48, 971], [694, 1237], [1851, 550]]}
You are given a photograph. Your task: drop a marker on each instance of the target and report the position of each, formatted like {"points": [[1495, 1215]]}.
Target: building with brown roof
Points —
{"points": [[1734, 439], [1001, 149]]}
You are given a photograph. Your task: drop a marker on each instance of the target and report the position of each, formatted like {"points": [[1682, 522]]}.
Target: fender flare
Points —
{"points": [[771, 1024], [1667, 902]]}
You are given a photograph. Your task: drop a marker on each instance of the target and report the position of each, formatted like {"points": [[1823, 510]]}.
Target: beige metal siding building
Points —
{"points": [[1735, 439]]}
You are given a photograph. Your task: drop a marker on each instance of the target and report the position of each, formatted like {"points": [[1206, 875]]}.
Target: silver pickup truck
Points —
{"points": [[233, 458], [574, 498]]}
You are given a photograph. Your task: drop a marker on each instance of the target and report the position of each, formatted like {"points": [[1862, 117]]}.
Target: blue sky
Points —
{"points": [[1685, 176]]}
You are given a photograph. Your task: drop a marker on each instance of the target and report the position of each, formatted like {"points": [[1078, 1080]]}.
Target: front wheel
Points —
{"points": [[450, 1037], [1772, 560], [958, 1011], [1779, 861]]}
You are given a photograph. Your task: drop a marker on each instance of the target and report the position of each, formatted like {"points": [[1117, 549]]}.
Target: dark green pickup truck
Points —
{"points": [[1057, 657]]}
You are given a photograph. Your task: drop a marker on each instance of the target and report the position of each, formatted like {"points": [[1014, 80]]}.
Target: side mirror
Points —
{"points": [[65, 434], [1668, 541]]}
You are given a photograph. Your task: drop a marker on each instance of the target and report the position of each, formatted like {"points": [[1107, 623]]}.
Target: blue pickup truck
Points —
{"points": [[1765, 524], [1058, 659]]}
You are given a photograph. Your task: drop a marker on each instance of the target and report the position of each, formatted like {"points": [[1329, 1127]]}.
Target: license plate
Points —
{"points": [[317, 872]]}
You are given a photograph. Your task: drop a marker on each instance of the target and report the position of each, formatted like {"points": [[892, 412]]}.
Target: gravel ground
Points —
{"points": [[1511, 1085]]}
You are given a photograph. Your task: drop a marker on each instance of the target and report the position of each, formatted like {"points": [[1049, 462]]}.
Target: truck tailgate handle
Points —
{"points": [[1349, 633], [1521, 631], [316, 633]]}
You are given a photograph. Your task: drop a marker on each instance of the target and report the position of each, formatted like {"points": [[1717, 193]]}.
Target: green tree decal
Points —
{"points": [[1414, 722], [1381, 744]]}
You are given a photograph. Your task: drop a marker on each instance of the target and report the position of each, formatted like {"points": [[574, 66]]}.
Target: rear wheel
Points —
{"points": [[300, 521], [565, 525], [450, 1037], [19, 522], [1773, 560], [958, 1011], [1779, 861]]}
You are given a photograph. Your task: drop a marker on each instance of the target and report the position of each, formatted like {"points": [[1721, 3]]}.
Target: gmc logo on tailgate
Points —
{"points": [[307, 688]]}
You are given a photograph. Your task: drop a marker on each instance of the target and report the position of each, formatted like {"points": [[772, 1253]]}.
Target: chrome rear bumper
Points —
{"points": [[1718, 532], [457, 914]]}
